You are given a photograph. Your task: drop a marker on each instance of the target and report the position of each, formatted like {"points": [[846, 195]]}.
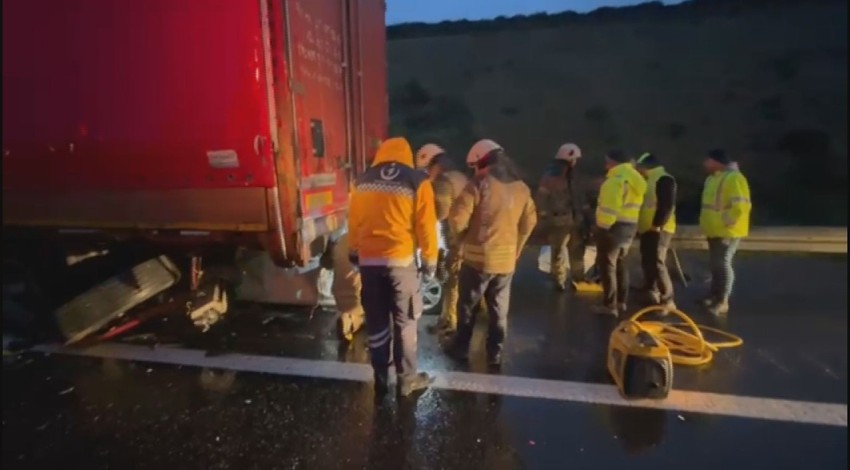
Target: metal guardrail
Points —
{"points": [[777, 239]]}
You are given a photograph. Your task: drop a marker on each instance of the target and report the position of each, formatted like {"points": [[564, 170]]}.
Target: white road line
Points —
{"points": [[830, 414]]}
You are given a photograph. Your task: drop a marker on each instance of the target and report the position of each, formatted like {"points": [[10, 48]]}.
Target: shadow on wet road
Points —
{"points": [[106, 413], [116, 414], [794, 330]]}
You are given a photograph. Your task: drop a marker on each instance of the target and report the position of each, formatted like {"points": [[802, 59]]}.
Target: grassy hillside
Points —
{"points": [[767, 81]]}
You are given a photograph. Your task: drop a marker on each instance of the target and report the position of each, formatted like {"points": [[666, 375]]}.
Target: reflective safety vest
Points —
{"points": [[726, 205], [650, 203], [620, 196]]}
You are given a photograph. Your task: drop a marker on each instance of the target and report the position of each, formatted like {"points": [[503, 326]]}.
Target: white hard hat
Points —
{"points": [[480, 150], [568, 153], [426, 154]]}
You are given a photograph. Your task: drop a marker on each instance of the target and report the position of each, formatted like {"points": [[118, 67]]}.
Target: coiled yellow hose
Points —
{"points": [[685, 340]]}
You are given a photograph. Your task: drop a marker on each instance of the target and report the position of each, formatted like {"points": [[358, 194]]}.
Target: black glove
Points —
{"points": [[599, 234], [353, 258], [327, 259], [428, 272], [442, 266]]}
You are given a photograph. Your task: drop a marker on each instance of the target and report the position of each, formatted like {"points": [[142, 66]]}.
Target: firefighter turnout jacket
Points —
{"points": [[447, 187], [494, 220]]}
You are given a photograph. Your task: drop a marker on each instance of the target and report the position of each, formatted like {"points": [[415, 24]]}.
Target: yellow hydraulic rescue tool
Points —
{"points": [[641, 354]]}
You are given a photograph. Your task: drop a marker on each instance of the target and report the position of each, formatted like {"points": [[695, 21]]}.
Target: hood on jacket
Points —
{"points": [[394, 150]]}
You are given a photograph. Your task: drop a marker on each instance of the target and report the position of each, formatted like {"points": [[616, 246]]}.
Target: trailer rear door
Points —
{"points": [[315, 45], [368, 52]]}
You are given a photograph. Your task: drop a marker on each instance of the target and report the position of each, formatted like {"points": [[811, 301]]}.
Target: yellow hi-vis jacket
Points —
{"points": [[650, 201], [391, 212], [726, 205], [620, 196]]}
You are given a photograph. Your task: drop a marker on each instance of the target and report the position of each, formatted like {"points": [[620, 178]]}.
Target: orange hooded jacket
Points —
{"points": [[392, 213]]}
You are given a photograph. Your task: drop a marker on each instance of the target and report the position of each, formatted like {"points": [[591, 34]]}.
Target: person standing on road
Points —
{"points": [[656, 226], [493, 216], [561, 212], [390, 217], [617, 211], [724, 220], [346, 287], [448, 184]]}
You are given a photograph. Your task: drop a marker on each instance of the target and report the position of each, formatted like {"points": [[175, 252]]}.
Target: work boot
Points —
{"points": [[420, 381], [653, 297], [382, 385], [708, 301], [494, 359], [560, 286], [458, 352], [668, 307], [441, 328], [606, 310], [719, 309]]}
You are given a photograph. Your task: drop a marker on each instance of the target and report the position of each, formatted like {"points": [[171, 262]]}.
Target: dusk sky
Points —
{"points": [[433, 11]]}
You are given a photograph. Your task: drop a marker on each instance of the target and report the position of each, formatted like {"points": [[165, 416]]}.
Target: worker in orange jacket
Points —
{"points": [[391, 216]]}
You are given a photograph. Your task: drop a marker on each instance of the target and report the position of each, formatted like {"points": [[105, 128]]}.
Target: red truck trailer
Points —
{"points": [[197, 124]]}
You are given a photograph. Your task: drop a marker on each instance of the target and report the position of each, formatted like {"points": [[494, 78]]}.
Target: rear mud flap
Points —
{"points": [[264, 282], [95, 308]]}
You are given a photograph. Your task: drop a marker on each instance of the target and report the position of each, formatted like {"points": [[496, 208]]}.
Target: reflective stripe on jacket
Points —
{"points": [[726, 205], [620, 196], [650, 203], [392, 213]]}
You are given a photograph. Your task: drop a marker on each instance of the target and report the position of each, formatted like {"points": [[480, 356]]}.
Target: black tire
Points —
{"points": [[432, 296]]}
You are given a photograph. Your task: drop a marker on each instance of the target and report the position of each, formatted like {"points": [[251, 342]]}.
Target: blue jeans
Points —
{"points": [[721, 252]]}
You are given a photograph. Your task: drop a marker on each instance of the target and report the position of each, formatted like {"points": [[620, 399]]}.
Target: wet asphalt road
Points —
{"points": [[104, 413]]}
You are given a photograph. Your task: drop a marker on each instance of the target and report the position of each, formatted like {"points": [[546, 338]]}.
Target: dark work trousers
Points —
{"points": [[721, 252], [566, 240], [496, 290], [392, 299], [653, 258], [612, 246]]}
